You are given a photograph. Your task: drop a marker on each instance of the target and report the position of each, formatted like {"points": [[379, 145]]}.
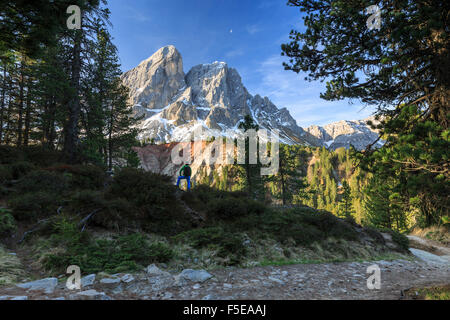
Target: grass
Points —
{"points": [[11, 270], [431, 293], [436, 233]]}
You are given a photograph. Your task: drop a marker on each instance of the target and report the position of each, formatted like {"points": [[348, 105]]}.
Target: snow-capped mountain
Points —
{"points": [[346, 133], [210, 96]]}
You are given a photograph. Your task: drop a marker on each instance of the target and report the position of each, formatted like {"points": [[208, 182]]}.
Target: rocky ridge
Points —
{"points": [[210, 96]]}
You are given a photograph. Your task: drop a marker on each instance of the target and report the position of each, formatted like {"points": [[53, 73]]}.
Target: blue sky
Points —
{"points": [[247, 34]]}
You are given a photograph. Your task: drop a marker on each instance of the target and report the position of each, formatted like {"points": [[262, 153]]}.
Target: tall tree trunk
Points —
{"points": [[2, 106], [51, 125], [8, 122], [71, 129], [20, 103], [26, 136]]}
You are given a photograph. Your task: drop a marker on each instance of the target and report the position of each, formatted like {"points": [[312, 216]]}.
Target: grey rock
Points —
{"points": [[118, 290], [87, 280], [276, 280], [140, 289], [46, 285], [13, 298], [110, 281], [127, 278], [168, 296], [91, 295], [195, 275], [153, 270], [210, 297], [161, 282]]}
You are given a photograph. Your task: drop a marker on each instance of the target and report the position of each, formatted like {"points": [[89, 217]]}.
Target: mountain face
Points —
{"points": [[346, 133], [210, 96]]}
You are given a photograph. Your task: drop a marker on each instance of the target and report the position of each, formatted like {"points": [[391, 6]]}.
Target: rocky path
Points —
{"points": [[295, 282], [321, 281]]}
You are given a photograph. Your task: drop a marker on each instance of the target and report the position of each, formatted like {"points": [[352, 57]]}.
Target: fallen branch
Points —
{"points": [[86, 219], [38, 226]]}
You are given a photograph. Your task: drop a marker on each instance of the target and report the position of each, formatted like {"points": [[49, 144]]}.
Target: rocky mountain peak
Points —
{"points": [[209, 95], [213, 97], [155, 81], [343, 134]]}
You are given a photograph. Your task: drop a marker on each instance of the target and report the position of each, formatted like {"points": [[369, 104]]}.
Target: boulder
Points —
{"points": [[88, 280], [195, 275], [90, 295], [46, 285]]}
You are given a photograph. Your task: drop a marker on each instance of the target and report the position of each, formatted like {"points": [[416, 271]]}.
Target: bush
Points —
{"points": [[330, 225], [143, 188], [34, 205], [228, 245], [127, 253], [7, 223], [44, 181], [22, 168], [40, 156], [231, 208], [6, 173], [82, 176], [401, 240], [10, 154], [375, 234]]}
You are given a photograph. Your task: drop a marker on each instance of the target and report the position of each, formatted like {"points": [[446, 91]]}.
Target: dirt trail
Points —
{"points": [[295, 282]]}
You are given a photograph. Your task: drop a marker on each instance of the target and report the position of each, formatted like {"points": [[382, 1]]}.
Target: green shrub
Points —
{"points": [[288, 225], [87, 199], [7, 223], [228, 244], [6, 173], [201, 238], [143, 188], [82, 176], [10, 154], [329, 225], [401, 240], [127, 253], [22, 168], [34, 205], [40, 156], [231, 208], [42, 180], [375, 234]]}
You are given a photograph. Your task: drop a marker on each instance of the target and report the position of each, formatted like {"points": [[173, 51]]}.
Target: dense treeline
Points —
{"points": [[61, 88], [327, 180]]}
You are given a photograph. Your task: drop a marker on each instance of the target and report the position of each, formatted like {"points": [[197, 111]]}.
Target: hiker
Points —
{"points": [[185, 173]]}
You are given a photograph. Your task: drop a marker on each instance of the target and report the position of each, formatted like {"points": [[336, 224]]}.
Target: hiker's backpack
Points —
{"points": [[187, 171]]}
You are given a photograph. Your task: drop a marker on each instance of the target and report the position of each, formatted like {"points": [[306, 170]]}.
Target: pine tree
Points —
{"points": [[346, 206]]}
